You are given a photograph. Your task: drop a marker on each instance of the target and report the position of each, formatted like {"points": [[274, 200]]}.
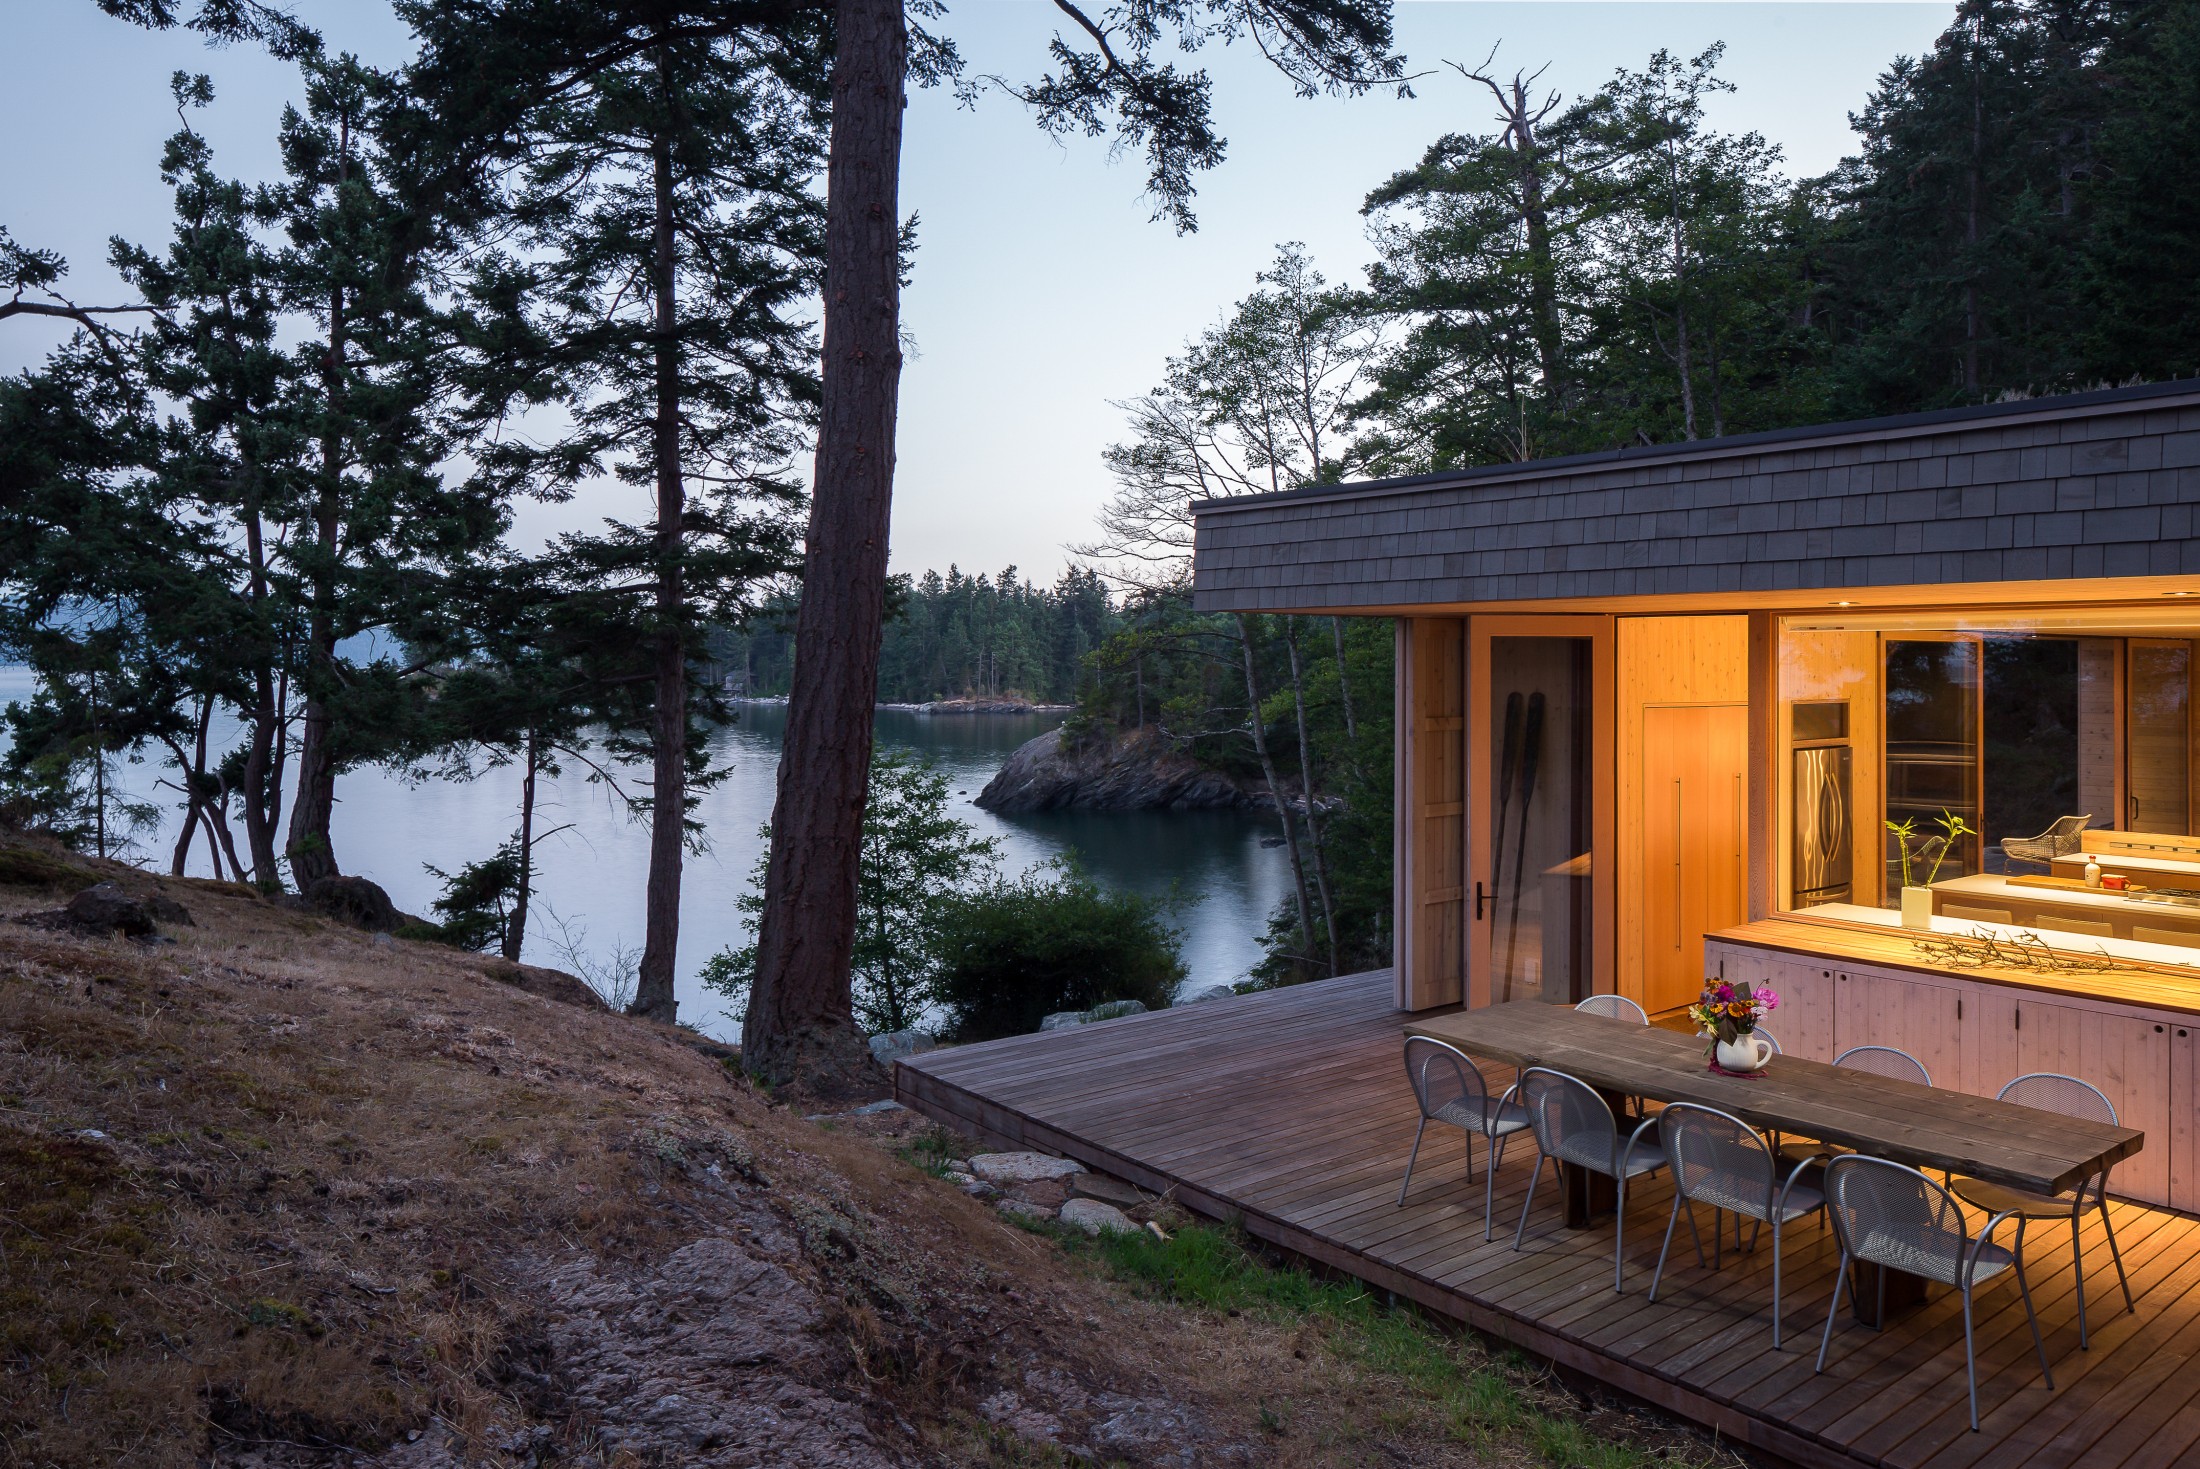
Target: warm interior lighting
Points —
{"points": [[1852, 604]]}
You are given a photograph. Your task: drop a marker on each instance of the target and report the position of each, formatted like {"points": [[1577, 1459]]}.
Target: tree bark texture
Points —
{"points": [[800, 1025], [1306, 784], [1268, 773], [653, 988], [515, 931]]}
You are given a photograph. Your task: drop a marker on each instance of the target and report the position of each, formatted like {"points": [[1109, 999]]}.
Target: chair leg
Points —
{"points": [[2100, 1196], [1489, 1185], [1697, 1235], [2024, 1289], [1670, 1220], [2077, 1264], [1412, 1158], [1775, 1284], [1521, 1230], [1619, 1236], [1970, 1358], [1468, 1135], [1840, 1279]]}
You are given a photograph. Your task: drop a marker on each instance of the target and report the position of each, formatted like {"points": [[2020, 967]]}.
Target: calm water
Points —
{"points": [[591, 873]]}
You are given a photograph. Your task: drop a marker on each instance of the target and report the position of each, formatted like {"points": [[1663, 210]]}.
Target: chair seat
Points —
{"points": [[1489, 1116], [1997, 1198], [1794, 1151], [1648, 1156], [1746, 1198], [1889, 1248]]}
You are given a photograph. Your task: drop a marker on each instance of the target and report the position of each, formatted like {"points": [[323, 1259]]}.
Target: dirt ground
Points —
{"points": [[274, 1191]]}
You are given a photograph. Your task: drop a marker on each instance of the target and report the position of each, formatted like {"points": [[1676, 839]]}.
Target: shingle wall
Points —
{"points": [[2099, 489]]}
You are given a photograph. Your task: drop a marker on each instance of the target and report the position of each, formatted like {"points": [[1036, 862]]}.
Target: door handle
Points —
{"points": [[1480, 898]]}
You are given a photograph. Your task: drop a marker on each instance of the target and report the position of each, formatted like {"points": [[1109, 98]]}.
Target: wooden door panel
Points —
{"points": [[1804, 1021], [1880, 1009], [2184, 1120], [1695, 824], [2128, 1058]]}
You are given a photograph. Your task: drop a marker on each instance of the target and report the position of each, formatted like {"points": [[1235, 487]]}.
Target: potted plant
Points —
{"points": [[1727, 1016], [1917, 898]]}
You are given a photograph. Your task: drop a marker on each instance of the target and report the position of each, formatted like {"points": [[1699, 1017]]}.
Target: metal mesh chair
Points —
{"points": [[1885, 1061], [1614, 1007], [1768, 1038], [2058, 840], [1574, 1124], [1893, 1216], [1720, 1160], [2068, 1096], [1450, 1089]]}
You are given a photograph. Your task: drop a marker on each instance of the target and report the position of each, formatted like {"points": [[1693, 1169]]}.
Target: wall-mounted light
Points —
{"points": [[1852, 604], [2176, 594]]}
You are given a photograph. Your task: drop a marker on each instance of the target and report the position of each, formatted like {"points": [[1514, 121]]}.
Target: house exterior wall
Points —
{"points": [[2103, 485]]}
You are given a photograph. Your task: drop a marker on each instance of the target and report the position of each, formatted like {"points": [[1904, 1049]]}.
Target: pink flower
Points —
{"points": [[1768, 999]]}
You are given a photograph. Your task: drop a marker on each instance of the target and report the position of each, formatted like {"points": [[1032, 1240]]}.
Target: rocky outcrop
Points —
{"points": [[104, 908], [1137, 771], [355, 901]]}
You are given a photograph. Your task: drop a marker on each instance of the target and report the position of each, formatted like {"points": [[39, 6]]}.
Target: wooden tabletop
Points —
{"points": [[1926, 1127]]}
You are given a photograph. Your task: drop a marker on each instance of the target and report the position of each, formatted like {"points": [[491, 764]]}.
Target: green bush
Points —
{"points": [[1012, 952]]}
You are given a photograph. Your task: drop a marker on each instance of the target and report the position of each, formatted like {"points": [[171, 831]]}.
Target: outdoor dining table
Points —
{"points": [[1927, 1127]]}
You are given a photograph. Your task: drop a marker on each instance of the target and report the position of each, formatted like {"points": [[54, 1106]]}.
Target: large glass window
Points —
{"points": [[2031, 770]]}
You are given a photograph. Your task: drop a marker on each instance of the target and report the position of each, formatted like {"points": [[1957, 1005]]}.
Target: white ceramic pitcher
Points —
{"points": [[1744, 1053]]}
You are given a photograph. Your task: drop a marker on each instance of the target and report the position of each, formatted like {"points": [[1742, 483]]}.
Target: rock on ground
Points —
{"points": [[1021, 1167], [1139, 771], [1107, 1190], [891, 1046], [104, 909], [1094, 1217], [355, 901], [693, 1362]]}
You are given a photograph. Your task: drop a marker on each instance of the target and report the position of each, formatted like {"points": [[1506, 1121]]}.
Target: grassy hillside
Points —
{"points": [[273, 1192]]}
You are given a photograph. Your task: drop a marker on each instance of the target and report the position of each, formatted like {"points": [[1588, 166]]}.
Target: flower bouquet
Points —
{"points": [[1727, 1017]]}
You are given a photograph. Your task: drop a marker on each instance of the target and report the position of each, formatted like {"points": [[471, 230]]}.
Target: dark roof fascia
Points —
{"points": [[1894, 426]]}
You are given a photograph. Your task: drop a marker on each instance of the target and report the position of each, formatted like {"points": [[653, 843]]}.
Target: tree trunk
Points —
{"points": [[800, 1025], [515, 931], [1268, 773], [1306, 786], [1344, 690], [653, 991], [1970, 220]]}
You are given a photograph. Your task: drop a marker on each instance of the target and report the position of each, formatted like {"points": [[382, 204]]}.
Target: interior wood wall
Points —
{"points": [[1431, 814], [1662, 661]]}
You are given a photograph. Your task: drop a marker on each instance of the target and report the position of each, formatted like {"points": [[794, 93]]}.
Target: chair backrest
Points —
{"points": [[1885, 1061], [1441, 1075], [1717, 1158], [2063, 835], [1571, 1119], [1614, 1007], [1768, 1038], [1890, 1214], [2051, 1091]]}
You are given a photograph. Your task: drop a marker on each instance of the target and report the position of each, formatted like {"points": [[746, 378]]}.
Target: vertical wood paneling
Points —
{"points": [[1432, 798], [1665, 662], [2126, 1057], [1693, 849], [2100, 730], [2184, 1119], [1926, 1020]]}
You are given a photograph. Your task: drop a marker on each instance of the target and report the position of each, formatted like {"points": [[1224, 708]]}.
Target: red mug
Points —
{"points": [[2113, 882]]}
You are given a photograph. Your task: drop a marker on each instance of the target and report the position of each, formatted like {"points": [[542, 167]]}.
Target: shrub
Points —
{"points": [[1012, 952]]}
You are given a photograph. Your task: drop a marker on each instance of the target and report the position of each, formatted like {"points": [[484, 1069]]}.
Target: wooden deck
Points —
{"points": [[1289, 1112]]}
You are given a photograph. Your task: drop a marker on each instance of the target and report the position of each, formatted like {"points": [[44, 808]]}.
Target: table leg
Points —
{"points": [[1880, 1293], [1586, 1193]]}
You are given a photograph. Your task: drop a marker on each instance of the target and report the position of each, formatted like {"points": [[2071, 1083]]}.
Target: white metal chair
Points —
{"points": [[1614, 1007], [1769, 1039], [1574, 1124], [1722, 1161], [1892, 1216], [2067, 1096], [1887, 1061], [1450, 1089]]}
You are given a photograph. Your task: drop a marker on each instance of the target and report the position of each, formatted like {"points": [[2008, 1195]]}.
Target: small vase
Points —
{"points": [[1743, 1054], [1917, 907]]}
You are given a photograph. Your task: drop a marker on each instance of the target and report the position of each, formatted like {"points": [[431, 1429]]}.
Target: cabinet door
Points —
{"points": [[2184, 1120], [1881, 1009], [2128, 1058], [1804, 1021]]}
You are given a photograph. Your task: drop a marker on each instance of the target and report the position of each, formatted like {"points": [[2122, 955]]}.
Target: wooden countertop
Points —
{"points": [[2163, 987]]}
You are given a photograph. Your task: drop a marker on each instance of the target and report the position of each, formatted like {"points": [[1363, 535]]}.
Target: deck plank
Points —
{"points": [[1289, 1111]]}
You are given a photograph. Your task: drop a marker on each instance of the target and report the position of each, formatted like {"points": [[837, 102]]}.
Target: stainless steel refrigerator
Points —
{"points": [[1824, 835]]}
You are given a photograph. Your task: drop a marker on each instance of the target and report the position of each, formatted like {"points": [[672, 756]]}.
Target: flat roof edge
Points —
{"points": [[2180, 392]]}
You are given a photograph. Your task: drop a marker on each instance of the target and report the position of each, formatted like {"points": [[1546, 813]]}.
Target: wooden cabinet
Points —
{"points": [[1878, 1008], [2184, 1117], [1803, 1024], [2129, 1058]]}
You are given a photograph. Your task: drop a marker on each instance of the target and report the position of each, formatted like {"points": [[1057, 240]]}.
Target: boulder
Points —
{"points": [[355, 901], [1063, 1020], [1006, 1168], [896, 1045], [550, 984], [1047, 1193], [1116, 1010], [1212, 992], [1138, 771], [1094, 1217], [105, 908], [1023, 1210]]}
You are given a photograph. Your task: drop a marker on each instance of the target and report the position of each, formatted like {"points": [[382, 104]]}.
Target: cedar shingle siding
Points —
{"points": [[2101, 484]]}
